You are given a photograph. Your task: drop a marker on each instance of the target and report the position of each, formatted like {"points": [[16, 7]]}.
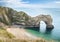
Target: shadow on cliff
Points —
{"points": [[33, 28], [47, 31]]}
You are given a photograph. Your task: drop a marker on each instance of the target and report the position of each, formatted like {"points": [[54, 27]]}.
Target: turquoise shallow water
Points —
{"points": [[53, 34], [47, 36]]}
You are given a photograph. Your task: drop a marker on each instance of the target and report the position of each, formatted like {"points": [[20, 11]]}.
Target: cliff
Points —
{"points": [[9, 16]]}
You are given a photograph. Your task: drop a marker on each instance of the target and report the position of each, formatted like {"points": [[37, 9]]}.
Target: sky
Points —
{"points": [[33, 7]]}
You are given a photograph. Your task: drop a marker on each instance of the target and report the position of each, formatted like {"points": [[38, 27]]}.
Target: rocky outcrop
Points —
{"points": [[9, 16], [35, 21], [46, 18]]}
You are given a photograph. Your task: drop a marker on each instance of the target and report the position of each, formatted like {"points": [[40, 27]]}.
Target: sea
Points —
{"points": [[53, 34]]}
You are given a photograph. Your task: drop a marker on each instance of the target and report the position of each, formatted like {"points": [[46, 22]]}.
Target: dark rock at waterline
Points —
{"points": [[49, 27], [33, 28]]}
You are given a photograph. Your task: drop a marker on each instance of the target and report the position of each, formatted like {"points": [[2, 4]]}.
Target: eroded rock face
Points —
{"points": [[47, 19], [9, 16], [35, 21]]}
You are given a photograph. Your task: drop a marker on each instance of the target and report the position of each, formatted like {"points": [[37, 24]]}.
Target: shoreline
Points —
{"points": [[22, 33]]}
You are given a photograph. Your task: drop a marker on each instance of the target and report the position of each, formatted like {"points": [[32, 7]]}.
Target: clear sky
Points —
{"points": [[33, 7]]}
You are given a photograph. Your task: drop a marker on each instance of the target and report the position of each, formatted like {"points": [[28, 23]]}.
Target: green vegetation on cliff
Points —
{"points": [[9, 16]]}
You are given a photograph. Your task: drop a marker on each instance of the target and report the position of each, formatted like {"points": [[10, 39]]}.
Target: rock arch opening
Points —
{"points": [[46, 19], [42, 26]]}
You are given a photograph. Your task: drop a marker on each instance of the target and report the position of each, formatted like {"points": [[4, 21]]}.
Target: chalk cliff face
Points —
{"points": [[9, 16]]}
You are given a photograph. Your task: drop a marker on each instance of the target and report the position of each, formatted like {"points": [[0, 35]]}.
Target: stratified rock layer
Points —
{"points": [[9, 16]]}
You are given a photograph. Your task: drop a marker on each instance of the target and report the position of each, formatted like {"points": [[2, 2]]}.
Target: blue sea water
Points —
{"points": [[53, 34]]}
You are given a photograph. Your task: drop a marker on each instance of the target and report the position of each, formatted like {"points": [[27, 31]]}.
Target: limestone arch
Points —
{"points": [[47, 19]]}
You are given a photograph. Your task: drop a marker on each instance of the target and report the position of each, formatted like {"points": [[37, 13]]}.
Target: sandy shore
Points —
{"points": [[20, 33]]}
